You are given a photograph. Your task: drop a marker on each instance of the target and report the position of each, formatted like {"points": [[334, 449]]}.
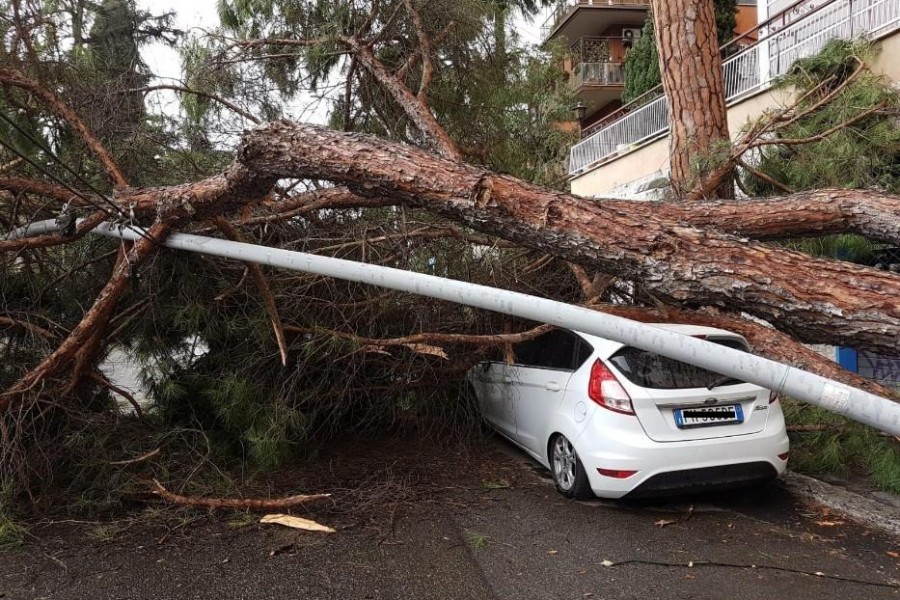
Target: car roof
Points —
{"points": [[607, 347]]}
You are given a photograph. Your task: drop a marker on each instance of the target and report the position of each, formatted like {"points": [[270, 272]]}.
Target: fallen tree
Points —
{"points": [[814, 300], [316, 189]]}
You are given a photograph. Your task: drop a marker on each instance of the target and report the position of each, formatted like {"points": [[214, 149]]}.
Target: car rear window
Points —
{"points": [[653, 371]]}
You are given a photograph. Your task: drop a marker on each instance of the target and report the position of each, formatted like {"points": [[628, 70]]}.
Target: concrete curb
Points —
{"points": [[859, 508]]}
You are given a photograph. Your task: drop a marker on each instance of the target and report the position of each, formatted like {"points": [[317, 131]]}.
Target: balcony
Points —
{"points": [[600, 74], [598, 71], [575, 19], [781, 42]]}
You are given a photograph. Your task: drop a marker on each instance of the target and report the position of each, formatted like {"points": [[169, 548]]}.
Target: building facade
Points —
{"points": [[623, 151]]}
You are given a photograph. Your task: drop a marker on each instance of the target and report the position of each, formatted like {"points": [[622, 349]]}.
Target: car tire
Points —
{"points": [[568, 472]]}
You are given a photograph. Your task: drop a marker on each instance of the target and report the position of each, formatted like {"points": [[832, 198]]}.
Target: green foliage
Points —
{"points": [[497, 100], [864, 154], [726, 20], [846, 449], [220, 396], [12, 533], [476, 540], [642, 62], [846, 246]]}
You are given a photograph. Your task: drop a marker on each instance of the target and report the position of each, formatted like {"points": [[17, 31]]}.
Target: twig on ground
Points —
{"points": [[710, 563], [239, 503]]}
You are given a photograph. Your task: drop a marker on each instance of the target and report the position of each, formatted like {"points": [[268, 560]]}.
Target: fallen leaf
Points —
{"points": [[893, 554], [664, 523], [829, 523], [689, 577], [296, 523], [552, 551]]}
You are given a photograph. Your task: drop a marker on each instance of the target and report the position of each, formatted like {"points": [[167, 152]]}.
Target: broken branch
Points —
{"points": [[237, 503]]}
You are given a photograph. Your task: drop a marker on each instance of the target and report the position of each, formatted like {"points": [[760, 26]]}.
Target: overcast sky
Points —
{"points": [[201, 14], [198, 15]]}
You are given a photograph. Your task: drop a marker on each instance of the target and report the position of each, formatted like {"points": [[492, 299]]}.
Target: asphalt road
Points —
{"points": [[474, 537]]}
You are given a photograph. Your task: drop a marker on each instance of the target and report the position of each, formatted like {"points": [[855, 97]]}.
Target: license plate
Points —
{"points": [[708, 415]]}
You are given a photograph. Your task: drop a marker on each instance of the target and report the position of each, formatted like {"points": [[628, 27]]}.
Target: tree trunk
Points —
{"points": [[692, 78], [814, 300]]}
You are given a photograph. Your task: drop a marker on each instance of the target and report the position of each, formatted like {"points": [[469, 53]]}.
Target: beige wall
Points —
{"points": [[634, 165], [612, 178], [888, 60]]}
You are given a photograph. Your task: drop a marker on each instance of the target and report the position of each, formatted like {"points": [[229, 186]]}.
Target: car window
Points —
{"points": [[653, 371], [557, 349]]}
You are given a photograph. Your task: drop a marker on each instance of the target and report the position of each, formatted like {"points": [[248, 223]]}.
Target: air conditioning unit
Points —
{"points": [[629, 34]]}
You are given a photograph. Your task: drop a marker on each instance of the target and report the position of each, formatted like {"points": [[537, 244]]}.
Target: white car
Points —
{"points": [[615, 421]]}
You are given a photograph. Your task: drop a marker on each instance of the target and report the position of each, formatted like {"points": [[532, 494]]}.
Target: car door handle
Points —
{"points": [[552, 386]]}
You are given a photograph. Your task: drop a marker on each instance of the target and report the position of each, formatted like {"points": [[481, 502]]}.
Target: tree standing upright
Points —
{"points": [[692, 78]]}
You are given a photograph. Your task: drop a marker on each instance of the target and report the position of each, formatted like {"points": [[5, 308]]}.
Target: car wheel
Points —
{"points": [[568, 472]]}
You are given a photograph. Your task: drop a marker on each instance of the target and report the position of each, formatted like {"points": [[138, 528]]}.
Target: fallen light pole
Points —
{"points": [[875, 411]]}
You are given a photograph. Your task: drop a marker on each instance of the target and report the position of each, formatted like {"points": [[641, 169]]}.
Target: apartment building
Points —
{"points": [[623, 150]]}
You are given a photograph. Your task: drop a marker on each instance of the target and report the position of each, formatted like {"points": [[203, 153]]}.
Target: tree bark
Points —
{"points": [[874, 215], [415, 107], [815, 300], [692, 78], [71, 351]]}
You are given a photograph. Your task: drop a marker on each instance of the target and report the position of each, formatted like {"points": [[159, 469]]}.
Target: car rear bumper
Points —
{"points": [[706, 479], [663, 468]]}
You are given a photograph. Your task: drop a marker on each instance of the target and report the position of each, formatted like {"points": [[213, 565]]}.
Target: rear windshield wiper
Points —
{"points": [[723, 381]]}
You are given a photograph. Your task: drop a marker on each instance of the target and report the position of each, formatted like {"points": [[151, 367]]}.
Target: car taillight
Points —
{"points": [[605, 390], [773, 397]]}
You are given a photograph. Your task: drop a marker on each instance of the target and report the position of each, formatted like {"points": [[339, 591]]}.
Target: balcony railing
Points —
{"points": [[597, 73], [747, 71], [564, 7]]}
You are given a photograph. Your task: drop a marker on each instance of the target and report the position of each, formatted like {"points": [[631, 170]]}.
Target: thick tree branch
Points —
{"points": [[27, 327], [237, 503], [813, 299], [22, 185], [425, 49], [874, 215], [414, 108], [427, 338], [12, 77], [84, 335]]}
